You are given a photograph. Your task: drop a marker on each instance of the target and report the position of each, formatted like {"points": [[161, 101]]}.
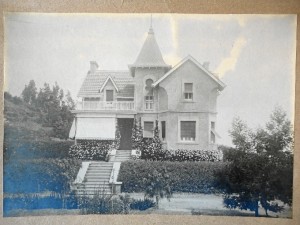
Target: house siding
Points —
{"points": [[141, 75], [204, 89], [173, 130]]}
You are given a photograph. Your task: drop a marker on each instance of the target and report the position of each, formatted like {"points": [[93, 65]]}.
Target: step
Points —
{"points": [[101, 165], [97, 178], [95, 186], [92, 193], [99, 172], [98, 182]]}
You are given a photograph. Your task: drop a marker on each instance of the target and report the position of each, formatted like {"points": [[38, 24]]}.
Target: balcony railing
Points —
{"points": [[100, 105]]}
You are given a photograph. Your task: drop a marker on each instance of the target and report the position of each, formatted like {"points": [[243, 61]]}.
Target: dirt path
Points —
{"points": [[203, 204]]}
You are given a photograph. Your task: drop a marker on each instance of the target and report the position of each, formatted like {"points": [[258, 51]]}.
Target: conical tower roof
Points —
{"points": [[150, 55]]}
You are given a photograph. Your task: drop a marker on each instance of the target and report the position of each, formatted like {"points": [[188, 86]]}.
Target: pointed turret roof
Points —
{"points": [[150, 55]]}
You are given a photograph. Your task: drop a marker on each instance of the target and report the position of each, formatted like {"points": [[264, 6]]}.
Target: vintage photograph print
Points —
{"points": [[149, 114]]}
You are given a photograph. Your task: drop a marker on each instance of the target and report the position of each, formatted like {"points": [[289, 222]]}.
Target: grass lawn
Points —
{"points": [[202, 204]]}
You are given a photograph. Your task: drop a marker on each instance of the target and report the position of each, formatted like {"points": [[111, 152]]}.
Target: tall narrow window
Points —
{"points": [[188, 130], [212, 132], [188, 91], [109, 95], [163, 130], [212, 125], [149, 103], [148, 129], [212, 138]]}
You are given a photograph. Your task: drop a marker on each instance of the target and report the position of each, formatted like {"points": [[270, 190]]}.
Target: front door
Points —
{"points": [[125, 126]]}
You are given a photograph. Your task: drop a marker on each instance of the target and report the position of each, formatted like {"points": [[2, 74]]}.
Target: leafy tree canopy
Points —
{"points": [[261, 168]]}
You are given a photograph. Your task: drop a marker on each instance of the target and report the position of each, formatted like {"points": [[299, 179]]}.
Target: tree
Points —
{"points": [[241, 135], [261, 168], [137, 134], [253, 178], [29, 93], [277, 135], [158, 185], [156, 143]]}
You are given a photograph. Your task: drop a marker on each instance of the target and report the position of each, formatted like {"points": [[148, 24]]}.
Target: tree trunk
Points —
{"points": [[256, 209], [266, 210], [157, 201]]}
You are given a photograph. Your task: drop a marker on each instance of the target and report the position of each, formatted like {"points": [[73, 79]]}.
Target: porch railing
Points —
{"points": [[102, 105]]}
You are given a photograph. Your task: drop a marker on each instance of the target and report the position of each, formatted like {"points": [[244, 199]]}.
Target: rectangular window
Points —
{"points": [[149, 105], [212, 125], [163, 130], [188, 130], [109, 95], [148, 129], [188, 91], [212, 138]]}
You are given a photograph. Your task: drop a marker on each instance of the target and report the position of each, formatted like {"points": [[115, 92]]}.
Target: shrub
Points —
{"points": [[137, 134], [196, 177], [38, 175], [180, 155], [30, 202], [91, 150], [102, 203], [142, 204], [229, 153]]}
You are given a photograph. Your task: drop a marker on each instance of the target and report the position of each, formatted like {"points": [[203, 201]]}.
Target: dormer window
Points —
{"points": [[149, 98], [188, 91], [109, 95]]}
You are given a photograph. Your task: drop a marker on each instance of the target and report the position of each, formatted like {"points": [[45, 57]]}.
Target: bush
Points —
{"points": [[229, 153], [38, 175], [102, 203], [196, 177], [179, 155], [91, 150], [142, 204], [31, 202]]}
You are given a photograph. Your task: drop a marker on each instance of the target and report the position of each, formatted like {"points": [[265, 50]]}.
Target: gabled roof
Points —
{"points": [[93, 82], [150, 55], [190, 58], [105, 82]]}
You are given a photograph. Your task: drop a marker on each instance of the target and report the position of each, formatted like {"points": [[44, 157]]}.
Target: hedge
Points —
{"points": [[196, 177], [181, 155], [38, 175], [91, 150]]}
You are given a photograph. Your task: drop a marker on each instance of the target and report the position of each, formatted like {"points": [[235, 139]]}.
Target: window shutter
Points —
{"points": [[163, 129]]}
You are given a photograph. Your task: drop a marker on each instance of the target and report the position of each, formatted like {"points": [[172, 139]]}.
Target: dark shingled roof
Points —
{"points": [[94, 81]]}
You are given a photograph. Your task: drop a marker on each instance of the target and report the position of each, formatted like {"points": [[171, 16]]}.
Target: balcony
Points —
{"points": [[101, 105]]}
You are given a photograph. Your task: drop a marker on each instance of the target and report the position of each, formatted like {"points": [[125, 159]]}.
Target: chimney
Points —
{"points": [[206, 65], [93, 66]]}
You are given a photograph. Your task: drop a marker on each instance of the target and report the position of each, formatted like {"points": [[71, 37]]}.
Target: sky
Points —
{"points": [[254, 55]]}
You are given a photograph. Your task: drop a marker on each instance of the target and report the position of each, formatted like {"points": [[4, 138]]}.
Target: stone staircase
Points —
{"points": [[98, 174], [122, 155]]}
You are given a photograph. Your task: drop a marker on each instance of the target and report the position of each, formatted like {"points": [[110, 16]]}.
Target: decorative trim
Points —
{"points": [[190, 58], [105, 82]]}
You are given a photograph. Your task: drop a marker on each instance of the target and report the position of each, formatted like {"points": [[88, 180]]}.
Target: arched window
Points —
{"points": [[149, 100]]}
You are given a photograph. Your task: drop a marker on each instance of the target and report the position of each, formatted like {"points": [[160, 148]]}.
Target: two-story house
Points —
{"points": [[182, 98]]}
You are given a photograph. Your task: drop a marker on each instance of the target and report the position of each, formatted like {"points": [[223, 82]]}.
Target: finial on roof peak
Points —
{"points": [[151, 29]]}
